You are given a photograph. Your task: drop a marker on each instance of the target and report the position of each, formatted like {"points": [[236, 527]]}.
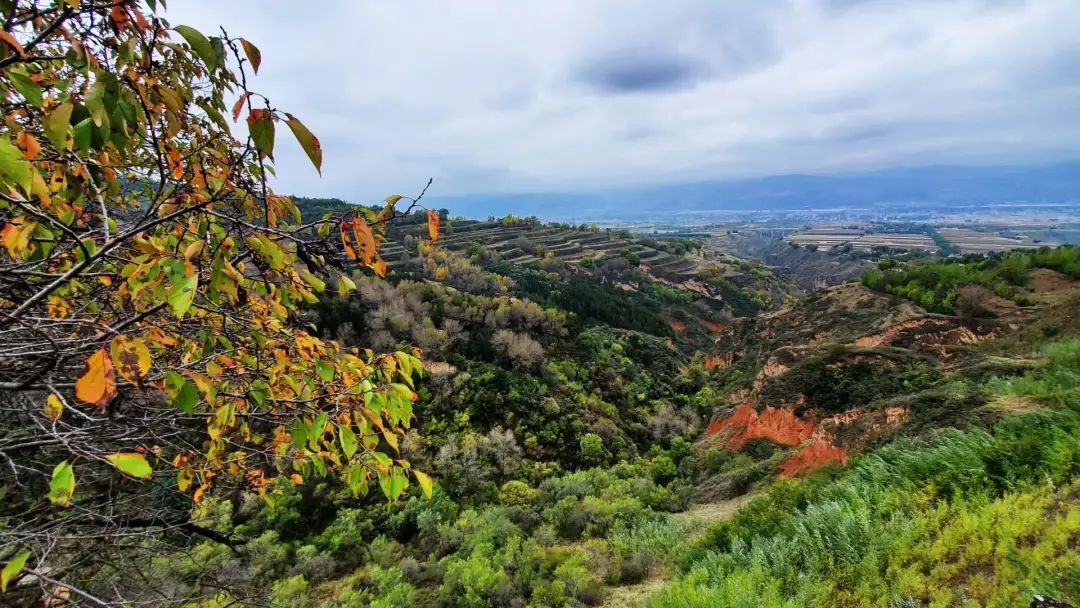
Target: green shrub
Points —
{"points": [[292, 592], [592, 449], [516, 493]]}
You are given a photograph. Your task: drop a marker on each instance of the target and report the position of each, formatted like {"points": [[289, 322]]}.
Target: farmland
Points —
{"points": [[826, 237], [974, 241]]}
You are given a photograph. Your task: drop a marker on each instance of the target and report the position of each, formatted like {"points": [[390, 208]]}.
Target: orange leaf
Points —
{"points": [[28, 145], [433, 224], [10, 40], [176, 162], [346, 226], [365, 240], [97, 383], [253, 54]]}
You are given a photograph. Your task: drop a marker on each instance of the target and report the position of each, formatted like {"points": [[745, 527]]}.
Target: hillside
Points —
{"points": [[567, 445]]}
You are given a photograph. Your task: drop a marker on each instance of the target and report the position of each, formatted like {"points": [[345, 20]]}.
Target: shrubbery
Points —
{"points": [[869, 535], [935, 285]]}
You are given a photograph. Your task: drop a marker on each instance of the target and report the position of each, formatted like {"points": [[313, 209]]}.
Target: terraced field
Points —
{"points": [[525, 243]]}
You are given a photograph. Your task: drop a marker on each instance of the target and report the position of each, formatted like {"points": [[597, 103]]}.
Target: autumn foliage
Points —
{"points": [[152, 287]]}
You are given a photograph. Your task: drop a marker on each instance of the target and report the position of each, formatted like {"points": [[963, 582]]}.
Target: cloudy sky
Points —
{"points": [[564, 95]]}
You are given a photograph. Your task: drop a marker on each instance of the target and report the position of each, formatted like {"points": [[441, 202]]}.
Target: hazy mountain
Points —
{"points": [[924, 186]]}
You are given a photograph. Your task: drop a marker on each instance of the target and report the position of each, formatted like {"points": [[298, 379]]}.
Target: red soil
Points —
{"points": [[713, 326], [814, 455], [721, 361], [782, 426], [777, 425], [678, 326]]}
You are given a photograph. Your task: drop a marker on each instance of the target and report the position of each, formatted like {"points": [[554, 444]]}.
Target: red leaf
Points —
{"points": [[120, 16], [239, 105]]}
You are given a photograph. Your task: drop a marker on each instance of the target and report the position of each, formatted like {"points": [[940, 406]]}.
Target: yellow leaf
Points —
{"points": [[425, 483], [15, 236], [56, 181], [54, 408], [194, 250], [131, 463], [57, 307], [97, 383], [131, 358]]}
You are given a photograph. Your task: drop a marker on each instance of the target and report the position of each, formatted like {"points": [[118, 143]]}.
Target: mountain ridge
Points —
{"points": [[928, 185]]}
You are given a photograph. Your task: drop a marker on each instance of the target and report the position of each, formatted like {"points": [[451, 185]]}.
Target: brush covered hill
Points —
{"points": [[605, 437], [745, 287]]}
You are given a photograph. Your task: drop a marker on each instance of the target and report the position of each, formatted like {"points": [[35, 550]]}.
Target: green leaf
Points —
{"points": [[425, 483], [186, 397], [219, 51], [393, 484], [13, 568], [261, 127], [62, 484], [253, 53], [348, 441], [325, 370], [200, 44], [215, 116], [84, 133], [259, 391], [95, 103], [13, 167], [29, 89], [182, 294], [57, 124], [298, 434], [357, 480], [131, 463], [307, 140]]}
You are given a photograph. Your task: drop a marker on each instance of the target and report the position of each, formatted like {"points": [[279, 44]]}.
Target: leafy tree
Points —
{"points": [[150, 290]]}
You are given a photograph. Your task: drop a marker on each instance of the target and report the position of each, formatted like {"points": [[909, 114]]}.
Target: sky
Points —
{"points": [[490, 96]]}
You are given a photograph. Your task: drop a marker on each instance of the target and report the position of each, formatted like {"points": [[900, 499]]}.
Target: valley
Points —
{"points": [[613, 421]]}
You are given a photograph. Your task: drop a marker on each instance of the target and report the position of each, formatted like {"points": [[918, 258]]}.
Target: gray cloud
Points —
{"points": [[641, 71], [490, 96]]}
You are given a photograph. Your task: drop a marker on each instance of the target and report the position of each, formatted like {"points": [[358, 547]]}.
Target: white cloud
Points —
{"points": [[524, 96]]}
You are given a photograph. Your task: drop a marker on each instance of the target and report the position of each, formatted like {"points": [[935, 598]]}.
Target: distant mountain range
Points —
{"points": [[930, 186]]}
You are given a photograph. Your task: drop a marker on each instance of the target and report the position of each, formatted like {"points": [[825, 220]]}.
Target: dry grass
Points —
{"points": [[1013, 404]]}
